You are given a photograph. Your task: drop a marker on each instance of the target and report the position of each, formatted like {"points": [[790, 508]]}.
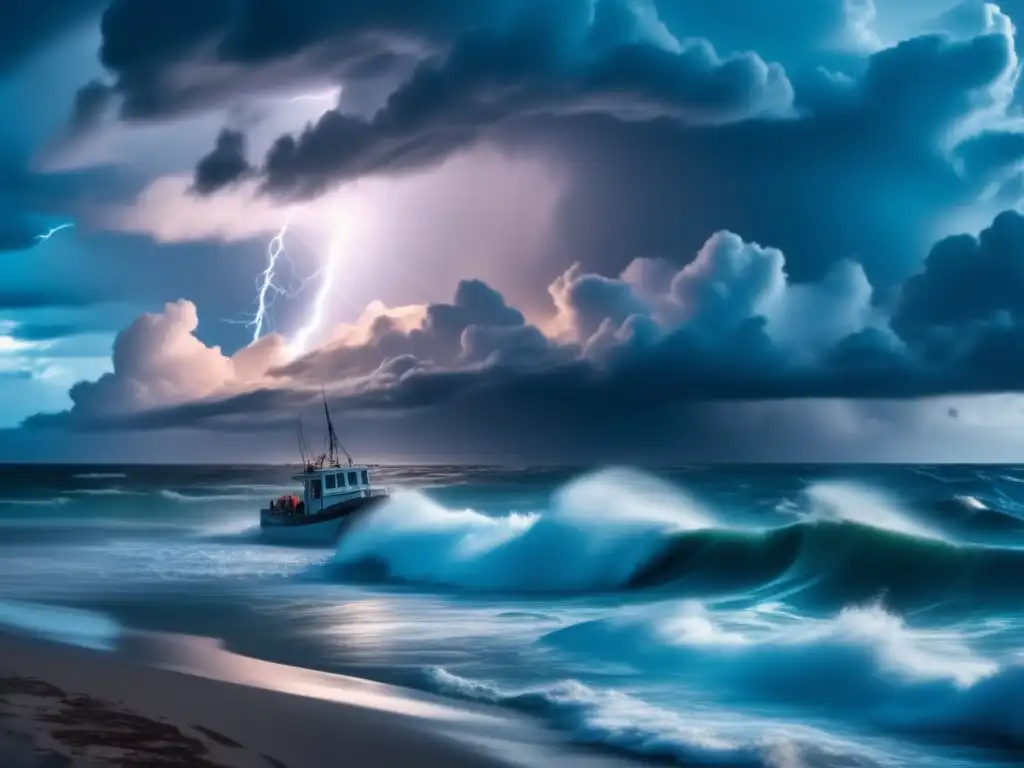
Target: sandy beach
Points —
{"points": [[71, 706]]}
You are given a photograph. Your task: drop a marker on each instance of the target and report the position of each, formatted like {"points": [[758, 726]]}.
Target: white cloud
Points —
{"points": [[169, 213], [727, 283], [158, 361]]}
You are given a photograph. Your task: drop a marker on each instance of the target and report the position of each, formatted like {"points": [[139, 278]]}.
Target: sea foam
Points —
{"points": [[598, 531]]}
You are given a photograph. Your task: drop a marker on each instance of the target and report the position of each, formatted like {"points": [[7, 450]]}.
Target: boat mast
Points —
{"points": [[303, 448], [333, 446]]}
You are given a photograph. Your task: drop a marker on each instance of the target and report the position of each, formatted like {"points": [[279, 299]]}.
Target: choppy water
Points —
{"points": [[744, 616]]}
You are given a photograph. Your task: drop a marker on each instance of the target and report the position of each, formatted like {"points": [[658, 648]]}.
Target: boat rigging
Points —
{"points": [[332, 494]]}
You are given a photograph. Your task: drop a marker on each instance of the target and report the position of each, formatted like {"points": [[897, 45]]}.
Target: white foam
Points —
{"points": [[850, 502], [55, 501], [693, 624], [860, 640], [597, 532], [922, 655], [971, 503], [699, 737], [190, 498], [105, 492]]}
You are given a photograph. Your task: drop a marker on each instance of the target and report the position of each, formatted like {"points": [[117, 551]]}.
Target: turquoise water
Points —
{"points": [[742, 616]]}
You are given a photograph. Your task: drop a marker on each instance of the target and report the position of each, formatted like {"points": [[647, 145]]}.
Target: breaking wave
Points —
{"points": [[626, 723], [581, 543], [923, 682], [617, 530], [925, 685]]}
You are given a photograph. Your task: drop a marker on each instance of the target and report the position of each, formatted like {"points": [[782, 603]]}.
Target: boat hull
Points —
{"points": [[322, 528]]}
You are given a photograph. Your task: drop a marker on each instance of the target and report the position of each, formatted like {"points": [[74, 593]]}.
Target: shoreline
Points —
{"points": [[172, 700]]}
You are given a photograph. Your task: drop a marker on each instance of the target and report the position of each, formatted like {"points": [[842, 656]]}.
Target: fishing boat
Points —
{"points": [[331, 496]]}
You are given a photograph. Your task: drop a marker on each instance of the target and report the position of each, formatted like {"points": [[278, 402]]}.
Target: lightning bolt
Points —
{"points": [[53, 231], [266, 280], [269, 285], [298, 344]]}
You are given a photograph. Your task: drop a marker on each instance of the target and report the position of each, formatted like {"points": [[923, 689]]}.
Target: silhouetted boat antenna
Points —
{"points": [[303, 450], [333, 446]]}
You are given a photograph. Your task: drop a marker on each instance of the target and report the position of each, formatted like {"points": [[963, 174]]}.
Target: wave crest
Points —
{"points": [[616, 530], [622, 722], [598, 532], [865, 659]]}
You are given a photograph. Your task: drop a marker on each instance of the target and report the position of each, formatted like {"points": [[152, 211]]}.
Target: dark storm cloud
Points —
{"points": [[278, 407], [43, 331], [550, 59], [861, 174], [91, 103], [172, 56], [43, 299], [16, 233], [225, 165], [728, 327], [443, 108], [28, 25], [220, 43], [969, 285], [664, 145]]}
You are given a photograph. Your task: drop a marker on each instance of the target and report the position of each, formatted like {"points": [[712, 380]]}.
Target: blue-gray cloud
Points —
{"points": [[548, 58], [43, 299], [225, 165], [606, 88], [44, 331], [864, 170], [730, 326], [535, 67], [228, 47], [674, 121], [796, 32]]}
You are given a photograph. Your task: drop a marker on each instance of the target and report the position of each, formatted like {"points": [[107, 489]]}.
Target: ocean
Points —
{"points": [[763, 616]]}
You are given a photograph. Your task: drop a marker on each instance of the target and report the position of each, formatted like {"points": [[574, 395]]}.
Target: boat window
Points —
{"points": [[330, 481], [341, 480], [366, 478], [315, 489], [352, 478]]}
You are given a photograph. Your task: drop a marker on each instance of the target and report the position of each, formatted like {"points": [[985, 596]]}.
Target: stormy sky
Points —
{"points": [[527, 231]]}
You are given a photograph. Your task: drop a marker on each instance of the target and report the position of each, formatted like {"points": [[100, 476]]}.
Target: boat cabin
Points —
{"points": [[325, 486]]}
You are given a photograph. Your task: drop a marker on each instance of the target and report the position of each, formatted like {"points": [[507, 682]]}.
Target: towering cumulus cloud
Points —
{"points": [[729, 325], [805, 209]]}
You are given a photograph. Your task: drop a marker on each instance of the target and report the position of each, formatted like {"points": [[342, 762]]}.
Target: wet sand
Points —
{"points": [[70, 706]]}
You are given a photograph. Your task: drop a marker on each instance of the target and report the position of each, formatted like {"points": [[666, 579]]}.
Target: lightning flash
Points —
{"points": [[268, 289], [53, 231], [316, 316]]}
